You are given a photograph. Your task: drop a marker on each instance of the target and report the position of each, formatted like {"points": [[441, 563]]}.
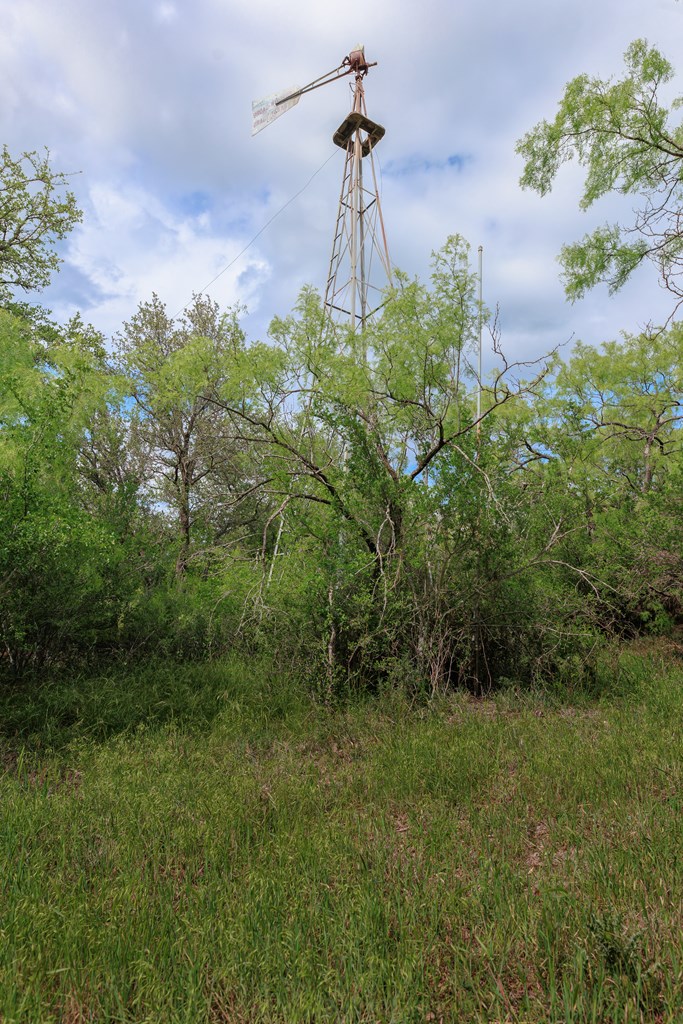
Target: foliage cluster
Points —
{"points": [[631, 144], [332, 498]]}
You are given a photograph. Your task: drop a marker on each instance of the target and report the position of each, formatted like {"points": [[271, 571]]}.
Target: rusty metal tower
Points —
{"points": [[355, 281], [359, 267]]}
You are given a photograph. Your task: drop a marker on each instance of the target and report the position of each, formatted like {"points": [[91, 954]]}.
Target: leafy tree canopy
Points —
{"points": [[628, 141], [36, 210]]}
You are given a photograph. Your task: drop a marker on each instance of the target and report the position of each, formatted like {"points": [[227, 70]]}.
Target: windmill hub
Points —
{"points": [[356, 61]]}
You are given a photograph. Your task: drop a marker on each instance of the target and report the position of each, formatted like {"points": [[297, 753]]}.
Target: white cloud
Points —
{"points": [[151, 249], [151, 102], [166, 12]]}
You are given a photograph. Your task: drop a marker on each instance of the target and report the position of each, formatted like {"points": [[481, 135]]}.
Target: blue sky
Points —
{"points": [[150, 101]]}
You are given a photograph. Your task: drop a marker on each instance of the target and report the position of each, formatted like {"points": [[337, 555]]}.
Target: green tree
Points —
{"points": [[630, 143], [353, 433], [60, 578], [629, 396], [621, 411], [36, 210], [174, 371], [598, 458]]}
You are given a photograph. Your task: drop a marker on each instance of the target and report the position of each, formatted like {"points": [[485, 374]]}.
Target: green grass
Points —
{"points": [[207, 844]]}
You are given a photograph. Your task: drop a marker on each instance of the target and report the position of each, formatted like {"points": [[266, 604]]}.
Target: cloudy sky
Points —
{"points": [[150, 101]]}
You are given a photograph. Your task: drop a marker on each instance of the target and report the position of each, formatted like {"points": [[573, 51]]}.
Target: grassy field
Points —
{"points": [[208, 844]]}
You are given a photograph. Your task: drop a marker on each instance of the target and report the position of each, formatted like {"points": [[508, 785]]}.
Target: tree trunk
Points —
{"points": [[184, 522]]}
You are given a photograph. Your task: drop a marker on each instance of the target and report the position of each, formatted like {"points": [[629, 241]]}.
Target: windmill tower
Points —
{"points": [[359, 267], [354, 281]]}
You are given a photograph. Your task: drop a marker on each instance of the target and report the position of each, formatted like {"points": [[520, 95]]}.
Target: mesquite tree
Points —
{"points": [[629, 143], [175, 369], [36, 210]]}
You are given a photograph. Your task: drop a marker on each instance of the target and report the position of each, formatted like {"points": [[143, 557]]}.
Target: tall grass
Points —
{"points": [[206, 843]]}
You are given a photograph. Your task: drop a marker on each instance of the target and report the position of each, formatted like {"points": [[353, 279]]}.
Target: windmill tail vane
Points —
{"points": [[268, 109], [355, 282]]}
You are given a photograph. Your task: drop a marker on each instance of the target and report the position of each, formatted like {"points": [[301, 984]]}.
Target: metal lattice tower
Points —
{"points": [[360, 267]]}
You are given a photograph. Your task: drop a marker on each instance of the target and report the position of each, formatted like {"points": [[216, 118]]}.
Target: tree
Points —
{"points": [[36, 210], [175, 370], [354, 433], [630, 397], [61, 567], [598, 457], [623, 134], [624, 404]]}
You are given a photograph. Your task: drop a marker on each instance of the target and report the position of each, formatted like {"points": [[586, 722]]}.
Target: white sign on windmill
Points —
{"points": [[265, 111]]}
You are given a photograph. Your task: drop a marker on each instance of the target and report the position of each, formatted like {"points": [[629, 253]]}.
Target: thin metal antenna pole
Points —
{"points": [[479, 645], [481, 325]]}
